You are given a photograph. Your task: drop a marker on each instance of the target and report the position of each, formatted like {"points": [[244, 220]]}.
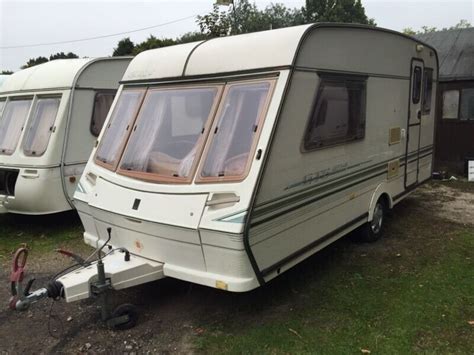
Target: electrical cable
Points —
{"points": [[99, 37]]}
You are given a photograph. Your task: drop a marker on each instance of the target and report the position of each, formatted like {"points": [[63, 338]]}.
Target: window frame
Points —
{"points": [[199, 179], [98, 92], [427, 70], [306, 146], [32, 99], [163, 179], [29, 121], [120, 148]]}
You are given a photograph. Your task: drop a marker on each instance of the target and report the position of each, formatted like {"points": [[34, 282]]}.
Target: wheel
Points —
{"points": [[372, 231], [128, 310]]}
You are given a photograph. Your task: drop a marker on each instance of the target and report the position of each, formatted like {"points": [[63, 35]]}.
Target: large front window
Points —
{"points": [[159, 133], [40, 126], [11, 124], [168, 133]]}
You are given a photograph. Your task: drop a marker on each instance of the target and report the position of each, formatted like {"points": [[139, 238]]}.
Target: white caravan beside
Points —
{"points": [[51, 115], [228, 161]]}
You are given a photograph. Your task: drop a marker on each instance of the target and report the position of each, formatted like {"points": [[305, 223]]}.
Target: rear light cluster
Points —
{"points": [[8, 179]]}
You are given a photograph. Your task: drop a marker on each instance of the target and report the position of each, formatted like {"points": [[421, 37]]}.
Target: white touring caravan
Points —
{"points": [[228, 161], [52, 115]]}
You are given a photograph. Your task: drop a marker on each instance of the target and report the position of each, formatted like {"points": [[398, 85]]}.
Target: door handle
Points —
{"points": [[418, 114], [220, 199]]}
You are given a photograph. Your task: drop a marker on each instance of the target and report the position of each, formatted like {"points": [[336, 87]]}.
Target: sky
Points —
{"points": [[28, 22]]}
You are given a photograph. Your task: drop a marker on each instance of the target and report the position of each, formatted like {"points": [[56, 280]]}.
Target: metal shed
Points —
{"points": [[455, 107]]}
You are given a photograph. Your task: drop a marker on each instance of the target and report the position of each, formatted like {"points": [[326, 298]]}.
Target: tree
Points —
{"points": [[427, 29], [61, 55], [34, 61], [124, 47], [6, 72], [217, 23], [245, 17], [191, 37], [153, 42], [461, 24], [348, 11]]}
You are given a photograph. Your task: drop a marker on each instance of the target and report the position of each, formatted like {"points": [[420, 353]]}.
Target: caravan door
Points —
{"points": [[414, 124]]}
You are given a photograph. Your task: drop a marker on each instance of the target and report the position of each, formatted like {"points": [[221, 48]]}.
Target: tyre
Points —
{"points": [[372, 231], [125, 310]]}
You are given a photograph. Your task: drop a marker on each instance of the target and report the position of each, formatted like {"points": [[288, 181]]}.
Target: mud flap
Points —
{"points": [[122, 274]]}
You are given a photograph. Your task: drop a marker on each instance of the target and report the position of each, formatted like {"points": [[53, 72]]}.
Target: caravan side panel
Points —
{"points": [[307, 199]]}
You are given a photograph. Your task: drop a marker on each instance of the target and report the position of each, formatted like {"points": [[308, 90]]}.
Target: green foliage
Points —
{"points": [[124, 47], [427, 29], [217, 23], [6, 72], [62, 55], [40, 60], [347, 11], [191, 37], [245, 17], [34, 61], [153, 42]]}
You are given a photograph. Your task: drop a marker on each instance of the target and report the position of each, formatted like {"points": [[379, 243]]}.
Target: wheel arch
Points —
{"points": [[380, 192]]}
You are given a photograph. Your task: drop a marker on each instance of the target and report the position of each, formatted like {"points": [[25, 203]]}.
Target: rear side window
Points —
{"points": [[416, 85], [427, 90], [41, 126], [102, 103], [338, 114], [11, 124]]}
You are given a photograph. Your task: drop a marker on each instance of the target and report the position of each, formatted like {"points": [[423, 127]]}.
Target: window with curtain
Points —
{"points": [[102, 103], [119, 126], [236, 130], [12, 122], [40, 126], [168, 133]]}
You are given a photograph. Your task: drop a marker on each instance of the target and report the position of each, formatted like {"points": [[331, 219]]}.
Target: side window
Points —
{"points": [[467, 104], [102, 103], [41, 126], [450, 104], [416, 85], [427, 91], [338, 114]]}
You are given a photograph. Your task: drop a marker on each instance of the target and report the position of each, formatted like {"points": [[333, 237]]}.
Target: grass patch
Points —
{"points": [[42, 234], [412, 291]]}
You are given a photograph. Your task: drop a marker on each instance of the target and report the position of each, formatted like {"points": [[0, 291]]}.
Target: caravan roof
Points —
{"points": [[268, 49], [56, 74]]}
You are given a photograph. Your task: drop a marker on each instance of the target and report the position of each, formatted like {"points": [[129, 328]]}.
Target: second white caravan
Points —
{"points": [[50, 117]]}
